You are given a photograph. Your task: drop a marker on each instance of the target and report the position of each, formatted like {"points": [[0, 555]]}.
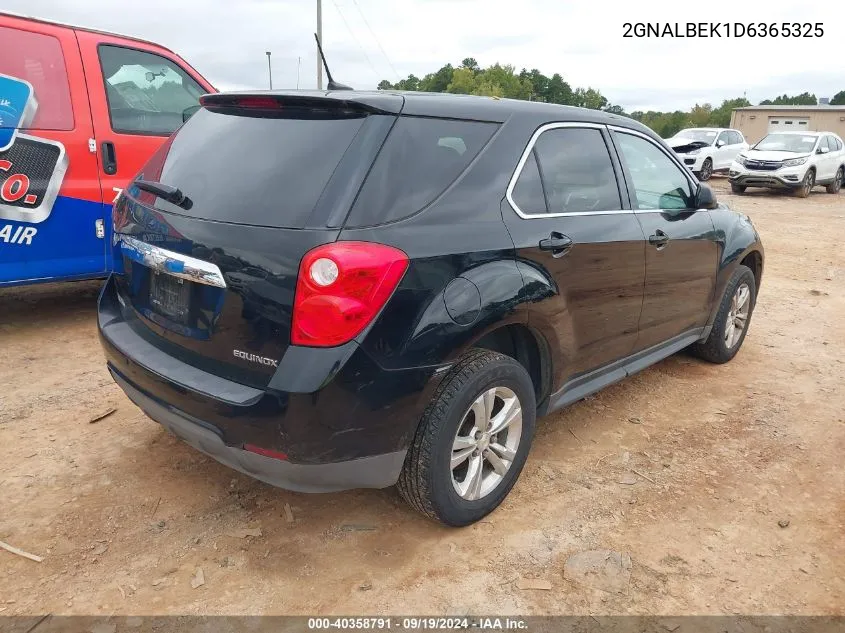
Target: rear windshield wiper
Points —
{"points": [[165, 192]]}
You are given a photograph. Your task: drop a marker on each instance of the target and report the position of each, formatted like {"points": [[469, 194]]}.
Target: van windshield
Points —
{"points": [[263, 171]]}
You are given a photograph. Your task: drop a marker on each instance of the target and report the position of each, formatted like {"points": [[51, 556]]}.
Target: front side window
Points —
{"points": [[657, 181], [147, 94], [736, 138], [724, 138], [35, 59]]}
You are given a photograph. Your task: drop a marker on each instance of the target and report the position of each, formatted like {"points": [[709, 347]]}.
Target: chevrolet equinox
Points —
{"points": [[340, 289]]}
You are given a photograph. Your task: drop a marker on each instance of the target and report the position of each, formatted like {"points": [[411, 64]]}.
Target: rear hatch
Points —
{"points": [[211, 232]]}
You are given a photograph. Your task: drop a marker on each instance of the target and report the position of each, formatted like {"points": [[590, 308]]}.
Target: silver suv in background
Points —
{"points": [[704, 150], [791, 160]]}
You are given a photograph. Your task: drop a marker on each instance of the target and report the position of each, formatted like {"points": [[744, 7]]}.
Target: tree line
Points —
{"points": [[503, 81]]}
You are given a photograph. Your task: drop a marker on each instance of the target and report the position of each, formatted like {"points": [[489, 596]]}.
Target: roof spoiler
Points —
{"points": [[275, 102]]}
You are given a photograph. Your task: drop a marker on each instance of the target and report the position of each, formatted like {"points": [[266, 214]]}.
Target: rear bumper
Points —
{"points": [[379, 471], [351, 431]]}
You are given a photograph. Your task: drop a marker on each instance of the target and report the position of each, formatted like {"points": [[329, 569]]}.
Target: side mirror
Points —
{"points": [[720, 143], [823, 150], [188, 112], [705, 198]]}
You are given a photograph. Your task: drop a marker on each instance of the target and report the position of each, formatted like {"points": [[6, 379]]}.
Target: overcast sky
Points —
{"points": [[370, 40]]}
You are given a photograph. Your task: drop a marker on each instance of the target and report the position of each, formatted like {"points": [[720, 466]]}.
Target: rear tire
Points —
{"points": [[807, 184], [836, 185], [429, 482], [723, 344], [738, 189]]}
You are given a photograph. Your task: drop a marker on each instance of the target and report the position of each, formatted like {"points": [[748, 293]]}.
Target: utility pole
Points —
{"points": [[270, 70], [298, 64], [319, 37]]}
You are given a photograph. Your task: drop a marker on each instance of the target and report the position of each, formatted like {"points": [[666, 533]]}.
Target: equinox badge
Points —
{"points": [[255, 358]]}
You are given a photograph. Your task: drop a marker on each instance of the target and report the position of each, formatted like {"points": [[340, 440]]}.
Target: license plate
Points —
{"points": [[170, 297]]}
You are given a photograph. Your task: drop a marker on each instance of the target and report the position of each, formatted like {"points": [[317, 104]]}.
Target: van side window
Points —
{"points": [[147, 94], [37, 59], [658, 182], [577, 173]]}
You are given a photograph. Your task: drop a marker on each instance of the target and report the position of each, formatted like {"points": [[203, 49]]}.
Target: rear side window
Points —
{"points": [[37, 59], [528, 191], [577, 173], [265, 171], [420, 159]]}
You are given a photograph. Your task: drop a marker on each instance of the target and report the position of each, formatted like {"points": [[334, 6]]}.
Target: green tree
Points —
{"points": [[463, 81], [385, 85], [471, 64], [439, 81], [721, 116], [558, 91], [616, 109], [509, 84], [838, 98], [805, 98], [700, 115]]}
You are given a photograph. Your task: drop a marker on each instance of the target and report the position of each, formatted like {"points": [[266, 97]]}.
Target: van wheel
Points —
{"points": [[836, 185], [731, 323], [806, 185], [738, 189], [472, 441]]}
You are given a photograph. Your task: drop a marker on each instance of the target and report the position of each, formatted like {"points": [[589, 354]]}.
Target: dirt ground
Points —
{"points": [[715, 461]]}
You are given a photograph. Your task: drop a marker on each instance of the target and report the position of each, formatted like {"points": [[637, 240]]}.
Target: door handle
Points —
{"points": [[558, 243], [109, 158], [659, 239]]}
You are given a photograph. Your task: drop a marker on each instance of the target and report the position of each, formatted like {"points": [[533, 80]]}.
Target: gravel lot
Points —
{"points": [[716, 489]]}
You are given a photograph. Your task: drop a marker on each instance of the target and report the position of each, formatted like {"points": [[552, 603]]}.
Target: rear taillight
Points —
{"points": [[341, 288]]}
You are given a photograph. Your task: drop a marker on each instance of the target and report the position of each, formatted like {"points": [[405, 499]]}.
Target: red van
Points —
{"points": [[81, 111]]}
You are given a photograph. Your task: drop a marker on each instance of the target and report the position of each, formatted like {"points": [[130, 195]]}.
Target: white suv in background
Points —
{"points": [[707, 149], [791, 160]]}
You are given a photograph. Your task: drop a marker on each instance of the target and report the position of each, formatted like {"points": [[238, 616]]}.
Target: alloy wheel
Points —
{"points": [[809, 181], [738, 316], [837, 182], [486, 443], [706, 170]]}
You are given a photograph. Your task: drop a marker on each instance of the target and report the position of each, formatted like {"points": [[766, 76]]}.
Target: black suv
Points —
{"points": [[345, 289]]}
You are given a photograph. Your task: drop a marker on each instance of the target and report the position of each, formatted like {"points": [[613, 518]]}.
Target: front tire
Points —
{"points": [[738, 189], [836, 185], [472, 441], [706, 170], [732, 320], [807, 184]]}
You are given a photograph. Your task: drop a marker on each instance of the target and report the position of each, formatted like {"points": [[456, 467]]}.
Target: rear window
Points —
{"points": [[420, 159], [36, 59], [265, 171]]}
